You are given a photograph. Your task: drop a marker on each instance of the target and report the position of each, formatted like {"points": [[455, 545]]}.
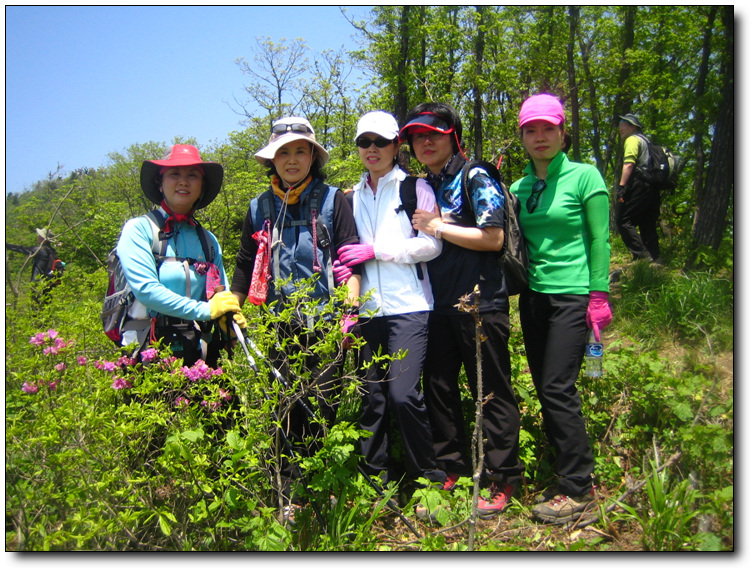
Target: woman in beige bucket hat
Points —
{"points": [[292, 233]]}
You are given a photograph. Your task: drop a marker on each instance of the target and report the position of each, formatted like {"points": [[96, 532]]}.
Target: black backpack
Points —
{"points": [[407, 192], [119, 296], [663, 167], [513, 257]]}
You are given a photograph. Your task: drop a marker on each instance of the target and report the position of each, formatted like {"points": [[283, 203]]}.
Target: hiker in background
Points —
{"points": [[47, 268], [472, 234], [565, 220], [181, 296], [392, 257], [638, 203], [291, 233]]}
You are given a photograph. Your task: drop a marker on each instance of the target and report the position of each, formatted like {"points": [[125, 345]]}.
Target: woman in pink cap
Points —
{"points": [[565, 220], [172, 264]]}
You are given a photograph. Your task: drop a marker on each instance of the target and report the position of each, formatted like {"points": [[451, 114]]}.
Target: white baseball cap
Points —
{"points": [[378, 122]]}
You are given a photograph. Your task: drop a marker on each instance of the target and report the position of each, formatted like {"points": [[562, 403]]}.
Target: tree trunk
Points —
{"points": [[710, 218], [574, 15], [700, 115], [401, 103], [623, 100], [478, 92]]}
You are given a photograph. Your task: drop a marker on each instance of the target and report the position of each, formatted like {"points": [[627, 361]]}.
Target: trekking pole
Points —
{"points": [[287, 444], [311, 414]]}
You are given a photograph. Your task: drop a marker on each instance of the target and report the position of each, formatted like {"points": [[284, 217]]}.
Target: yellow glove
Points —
{"points": [[223, 302], [238, 317]]}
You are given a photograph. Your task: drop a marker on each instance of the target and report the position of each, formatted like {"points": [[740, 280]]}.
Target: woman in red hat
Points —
{"points": [[173, 264]]}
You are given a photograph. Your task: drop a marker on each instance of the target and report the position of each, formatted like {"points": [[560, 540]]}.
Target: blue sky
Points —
{"points": [[82, 82]]}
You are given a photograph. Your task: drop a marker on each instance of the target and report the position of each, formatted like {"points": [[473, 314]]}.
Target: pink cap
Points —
{"points": [[541, 107]]}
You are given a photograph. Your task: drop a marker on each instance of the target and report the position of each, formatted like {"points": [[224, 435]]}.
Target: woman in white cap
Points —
{"points": [[291, 234], [176, 292], [392, 256]]}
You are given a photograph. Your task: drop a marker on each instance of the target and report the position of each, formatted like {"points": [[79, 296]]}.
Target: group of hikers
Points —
{"points": [[413, 247]]}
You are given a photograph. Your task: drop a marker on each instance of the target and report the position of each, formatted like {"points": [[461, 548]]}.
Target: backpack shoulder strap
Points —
{"points": [[408, 193], [208, 250], [158, 244], [267, 206], [317, 196], [646, 149]]}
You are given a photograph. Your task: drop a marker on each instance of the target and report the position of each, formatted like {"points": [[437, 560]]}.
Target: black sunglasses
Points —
{"points": [[533, 199], [380, 142], [282, 128]]}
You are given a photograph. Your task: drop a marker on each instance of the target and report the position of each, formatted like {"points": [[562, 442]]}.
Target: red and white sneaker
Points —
{"points": [[450, 483], [499, 498]]}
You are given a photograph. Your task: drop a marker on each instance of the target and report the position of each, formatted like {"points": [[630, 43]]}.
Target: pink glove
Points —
{"points": [[341, 272], [599, 314], [355, 254], [347, 323]]}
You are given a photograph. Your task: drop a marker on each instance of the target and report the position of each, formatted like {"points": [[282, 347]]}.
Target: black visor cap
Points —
{"points": [[425, 120]]}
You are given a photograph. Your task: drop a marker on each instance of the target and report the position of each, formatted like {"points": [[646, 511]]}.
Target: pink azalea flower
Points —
{"points": [[30, 388], [189, 373], [51, 333], [50, 351], [125, 361], [202, 369], [37, 339], [108, 366], [225, 394], [53, 385], [181, 402], [120, 383], [217, 372], [61, 367], [148, 355], [81, 360], [212, 406]]}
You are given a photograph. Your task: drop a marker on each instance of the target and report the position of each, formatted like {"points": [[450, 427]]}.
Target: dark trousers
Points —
{"points": [[554, 332], [317, 390], [451, 345], [393, 390], [637, 221]]}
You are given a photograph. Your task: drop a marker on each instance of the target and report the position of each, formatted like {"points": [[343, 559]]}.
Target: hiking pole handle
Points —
{"points": [[241, 340]]}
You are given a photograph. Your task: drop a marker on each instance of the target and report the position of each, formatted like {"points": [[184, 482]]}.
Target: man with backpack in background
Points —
{"points": [[471, 224], [47, 268], [638, 200]]}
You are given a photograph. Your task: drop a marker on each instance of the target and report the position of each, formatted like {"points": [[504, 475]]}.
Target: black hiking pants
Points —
{"points": [[393, 391], [452, 345], [637, 221], [554, 332]]}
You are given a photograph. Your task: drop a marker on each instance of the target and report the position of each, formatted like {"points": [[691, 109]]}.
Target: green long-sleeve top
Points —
{"points": [[567, 235]]}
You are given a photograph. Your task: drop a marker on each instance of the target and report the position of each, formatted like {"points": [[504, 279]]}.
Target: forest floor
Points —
{"points": [[516, 530]]}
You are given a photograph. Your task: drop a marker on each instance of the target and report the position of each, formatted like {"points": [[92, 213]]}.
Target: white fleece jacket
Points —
{"points": [[392, 275]]}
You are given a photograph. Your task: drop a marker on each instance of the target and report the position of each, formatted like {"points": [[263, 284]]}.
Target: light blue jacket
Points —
{"points": [[165, 293]]}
